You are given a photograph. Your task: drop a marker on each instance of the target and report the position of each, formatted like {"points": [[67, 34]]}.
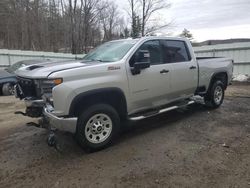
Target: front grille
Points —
{"points": [[34, 88], [28, 87]]}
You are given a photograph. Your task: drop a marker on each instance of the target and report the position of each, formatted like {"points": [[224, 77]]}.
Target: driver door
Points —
{"points": [[150, 87]]}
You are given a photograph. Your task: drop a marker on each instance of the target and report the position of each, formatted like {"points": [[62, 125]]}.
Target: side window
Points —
{"points": [[155, 52], [175, 51]]}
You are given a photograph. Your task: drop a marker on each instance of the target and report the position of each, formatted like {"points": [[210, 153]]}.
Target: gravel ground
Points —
{"points": [[192, 147]]}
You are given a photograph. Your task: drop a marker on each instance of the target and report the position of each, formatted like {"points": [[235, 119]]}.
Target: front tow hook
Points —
{"points": [[52, 140], [20, 112]]}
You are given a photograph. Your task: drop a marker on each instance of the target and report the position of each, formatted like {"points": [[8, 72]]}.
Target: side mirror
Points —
{"points": [[141, 61]]}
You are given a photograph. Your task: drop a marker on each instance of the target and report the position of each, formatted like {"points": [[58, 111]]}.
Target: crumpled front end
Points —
{"points": [[35, 94], [37, 97]]}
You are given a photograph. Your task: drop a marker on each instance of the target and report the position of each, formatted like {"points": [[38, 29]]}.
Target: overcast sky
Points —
{"points": [[207, 19]]}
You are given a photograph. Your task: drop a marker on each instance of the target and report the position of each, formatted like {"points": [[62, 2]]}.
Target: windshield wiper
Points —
{"points": [[99, 60], [96, 60]]}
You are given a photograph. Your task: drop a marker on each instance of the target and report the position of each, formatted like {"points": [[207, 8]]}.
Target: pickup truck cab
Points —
{"points": [[120, 80]]}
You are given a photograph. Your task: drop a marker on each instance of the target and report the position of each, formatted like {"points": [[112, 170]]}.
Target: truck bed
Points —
{"points": [[211, 65]]}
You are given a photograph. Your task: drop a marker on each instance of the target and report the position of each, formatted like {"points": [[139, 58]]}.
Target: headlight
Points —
{"points": [[54, 82], [46, 86]]}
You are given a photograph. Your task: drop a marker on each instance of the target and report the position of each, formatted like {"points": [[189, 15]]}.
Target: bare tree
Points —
{"points": [[149, 7], [90, 22], [109, 19], [57, 25], [135, 26]]}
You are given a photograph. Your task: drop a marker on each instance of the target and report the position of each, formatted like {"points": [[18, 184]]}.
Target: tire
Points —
{"points": [[8, 89], [97, 127], [215, 95]]}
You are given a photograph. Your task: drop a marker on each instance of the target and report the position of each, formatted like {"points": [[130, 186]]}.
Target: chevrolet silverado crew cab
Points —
{"points": [[121, 80]]}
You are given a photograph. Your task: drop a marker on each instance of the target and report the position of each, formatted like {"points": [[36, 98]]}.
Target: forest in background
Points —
{"points": [[73, 25]]}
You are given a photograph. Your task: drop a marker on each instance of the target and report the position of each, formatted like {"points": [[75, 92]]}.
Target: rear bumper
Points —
{"points": [[60, 123]]}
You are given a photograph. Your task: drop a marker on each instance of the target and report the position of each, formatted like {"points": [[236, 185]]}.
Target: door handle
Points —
{"points": [[164, 71], [192, 67]]}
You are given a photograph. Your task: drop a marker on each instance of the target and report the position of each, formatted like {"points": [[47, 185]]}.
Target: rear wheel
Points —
{"points": [[215, 96], [97, 127], [8, 89]]}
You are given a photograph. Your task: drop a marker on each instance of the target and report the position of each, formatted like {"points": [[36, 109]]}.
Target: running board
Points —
{"points": [[136, 118]]}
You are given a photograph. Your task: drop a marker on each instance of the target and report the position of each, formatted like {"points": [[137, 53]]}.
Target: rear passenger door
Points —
{"points": [[184, 70]]}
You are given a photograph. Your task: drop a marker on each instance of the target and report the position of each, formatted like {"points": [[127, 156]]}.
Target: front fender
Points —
{"points": [[104, 93]]}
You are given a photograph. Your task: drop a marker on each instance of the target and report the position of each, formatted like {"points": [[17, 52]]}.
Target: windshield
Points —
{"points": [[111, 51]]}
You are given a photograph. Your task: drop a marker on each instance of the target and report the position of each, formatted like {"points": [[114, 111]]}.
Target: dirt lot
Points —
{"points": [[181, 148]]}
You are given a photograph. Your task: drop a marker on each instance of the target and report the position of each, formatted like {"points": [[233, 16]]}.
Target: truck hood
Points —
{"points": [[43, 70]]}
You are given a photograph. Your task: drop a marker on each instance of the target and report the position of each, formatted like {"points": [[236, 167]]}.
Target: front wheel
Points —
{"points": [[97, 127], [215, 96]]}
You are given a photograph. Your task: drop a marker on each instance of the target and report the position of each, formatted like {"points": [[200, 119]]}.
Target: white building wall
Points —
{"points": [[9, 57]]}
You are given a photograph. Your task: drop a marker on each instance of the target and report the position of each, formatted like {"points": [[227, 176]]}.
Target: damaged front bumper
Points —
{"points": [[40, 108], [60, 123]]}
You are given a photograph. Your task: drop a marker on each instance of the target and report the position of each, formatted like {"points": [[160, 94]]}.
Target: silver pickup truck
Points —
{"points": [[128, 79]]}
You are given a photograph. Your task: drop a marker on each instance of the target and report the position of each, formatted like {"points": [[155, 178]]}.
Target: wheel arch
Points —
{"points": [[222, 76], [112, 96]]}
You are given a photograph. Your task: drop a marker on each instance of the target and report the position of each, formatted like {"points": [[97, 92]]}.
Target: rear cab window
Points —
{"points": [[175, 51]]}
